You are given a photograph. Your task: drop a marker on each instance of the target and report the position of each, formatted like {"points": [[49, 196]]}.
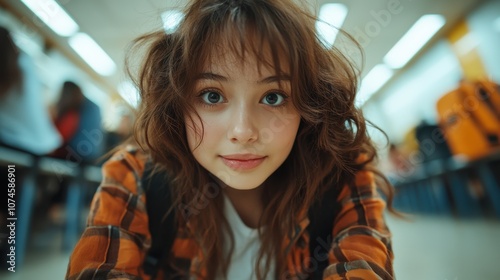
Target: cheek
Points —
{"points": [[281, 127], [209, 126], [290, 131]]}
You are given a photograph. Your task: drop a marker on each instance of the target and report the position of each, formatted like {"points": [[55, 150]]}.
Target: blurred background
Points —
{"points": [[430, 75]]}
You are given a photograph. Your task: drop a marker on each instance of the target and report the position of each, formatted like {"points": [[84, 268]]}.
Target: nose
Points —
{"points": [[242, 128]]}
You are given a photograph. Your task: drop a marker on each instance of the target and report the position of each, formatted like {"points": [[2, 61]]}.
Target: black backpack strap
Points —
{"points": [[322, 215], [162, 228]]}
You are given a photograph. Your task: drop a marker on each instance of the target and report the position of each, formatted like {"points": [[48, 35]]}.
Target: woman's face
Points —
{"points": [[249, 121]]}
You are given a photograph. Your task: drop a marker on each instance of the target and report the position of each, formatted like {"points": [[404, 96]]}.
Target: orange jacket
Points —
{"points": [[116, 239]]}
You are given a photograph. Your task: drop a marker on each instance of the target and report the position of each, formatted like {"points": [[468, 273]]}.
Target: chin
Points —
{"points": [[243, 187], [242, 183]]}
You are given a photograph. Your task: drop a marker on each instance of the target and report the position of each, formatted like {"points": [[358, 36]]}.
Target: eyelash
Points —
{"points": [[212, 105], [202, 102]]}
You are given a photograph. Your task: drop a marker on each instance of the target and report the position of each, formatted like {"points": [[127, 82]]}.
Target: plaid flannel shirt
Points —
{"points": [[115, 242]]}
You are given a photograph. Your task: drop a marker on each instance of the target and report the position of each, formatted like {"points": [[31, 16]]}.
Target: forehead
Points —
{"points": [[227, 59]]}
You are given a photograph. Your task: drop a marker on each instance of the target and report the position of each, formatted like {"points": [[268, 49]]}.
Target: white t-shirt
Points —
{"points": [[246, 247], [24, 120]]}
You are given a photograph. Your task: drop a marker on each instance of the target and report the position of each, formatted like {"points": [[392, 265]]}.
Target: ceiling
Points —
{"points": [[115, 23]]}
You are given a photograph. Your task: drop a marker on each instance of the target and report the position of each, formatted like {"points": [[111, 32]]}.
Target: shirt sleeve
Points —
{"points": [[361, 248], [116, 238]]}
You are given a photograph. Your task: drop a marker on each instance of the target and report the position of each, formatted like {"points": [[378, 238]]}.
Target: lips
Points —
{"points": [[242, 161]]}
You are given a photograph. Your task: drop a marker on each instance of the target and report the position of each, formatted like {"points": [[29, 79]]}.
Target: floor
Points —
{"points": [[427, 248], [438, 248]]}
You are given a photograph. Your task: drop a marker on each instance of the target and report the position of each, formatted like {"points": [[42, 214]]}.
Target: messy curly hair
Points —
{"points": [[332, 134]]}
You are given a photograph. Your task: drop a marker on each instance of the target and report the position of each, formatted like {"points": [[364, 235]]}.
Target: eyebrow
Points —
{"points": [[220, 78]]}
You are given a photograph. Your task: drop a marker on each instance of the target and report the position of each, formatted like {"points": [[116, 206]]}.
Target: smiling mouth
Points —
{"points": [[242, 162]]}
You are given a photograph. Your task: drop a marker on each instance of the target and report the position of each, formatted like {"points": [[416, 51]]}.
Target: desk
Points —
{"points": [[32, 166], [439, 187]]}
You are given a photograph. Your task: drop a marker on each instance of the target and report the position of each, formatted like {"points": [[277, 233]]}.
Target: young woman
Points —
{"points": [[253, 118]]}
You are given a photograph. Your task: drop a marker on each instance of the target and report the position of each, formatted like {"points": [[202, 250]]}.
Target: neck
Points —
{"points": [[247, 203]]}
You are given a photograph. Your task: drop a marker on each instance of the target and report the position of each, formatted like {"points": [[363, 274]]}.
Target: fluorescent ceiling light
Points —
{"points": [[171, 20], [53, 16], [92, 53], [373, 81], [414, 39], [331, 18], [435, 78], [129, 93]]}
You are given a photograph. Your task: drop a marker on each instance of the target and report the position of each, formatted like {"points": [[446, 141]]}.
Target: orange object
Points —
{"points": [[470, 118]]}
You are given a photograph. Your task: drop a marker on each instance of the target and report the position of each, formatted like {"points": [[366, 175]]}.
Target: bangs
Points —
{"points": [[243, 38], [242, 30]]}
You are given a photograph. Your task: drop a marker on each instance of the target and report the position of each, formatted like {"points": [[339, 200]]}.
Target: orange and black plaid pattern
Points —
{"points": [[117, 238]]}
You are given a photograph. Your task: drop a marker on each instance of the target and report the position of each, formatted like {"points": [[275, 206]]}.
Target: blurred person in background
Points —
{"points": [[79, 122], [400, 165], [25, 122]]}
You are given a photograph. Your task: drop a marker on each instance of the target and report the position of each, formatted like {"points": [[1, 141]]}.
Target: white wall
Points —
{"points": [[485, 27]]}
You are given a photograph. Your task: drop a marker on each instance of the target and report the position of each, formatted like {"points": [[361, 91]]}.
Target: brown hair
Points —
{"points": [[10, 72], [331, 137], [71, 98]]}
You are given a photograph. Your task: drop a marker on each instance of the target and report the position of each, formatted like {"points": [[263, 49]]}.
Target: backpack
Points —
{"points": [[163, 230], [470, 118]]}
